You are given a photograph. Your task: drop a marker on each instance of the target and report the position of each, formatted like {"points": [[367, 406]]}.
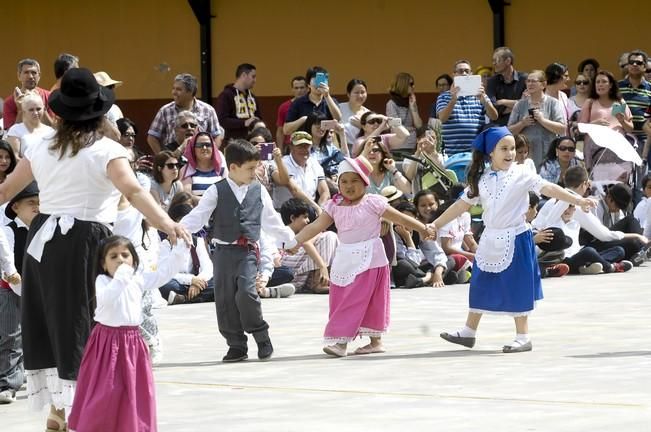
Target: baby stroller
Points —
{"points": [[459, 163]]}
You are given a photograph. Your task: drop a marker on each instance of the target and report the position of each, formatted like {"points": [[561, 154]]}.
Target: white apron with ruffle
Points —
{"points": [[351, 259], [496, 247]]}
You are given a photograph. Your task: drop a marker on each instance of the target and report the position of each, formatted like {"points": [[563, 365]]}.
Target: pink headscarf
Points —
{"points": [[191, 167]]}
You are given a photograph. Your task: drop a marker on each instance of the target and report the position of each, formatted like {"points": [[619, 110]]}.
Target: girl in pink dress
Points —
{"points": [[359, 276]]}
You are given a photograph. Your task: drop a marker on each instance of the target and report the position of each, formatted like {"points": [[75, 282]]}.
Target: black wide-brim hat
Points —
{"points": [[558, 243], [30, 191], [80, 96]]}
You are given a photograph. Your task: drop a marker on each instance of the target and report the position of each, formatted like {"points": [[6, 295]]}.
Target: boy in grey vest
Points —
{"points": [[240, 208]]}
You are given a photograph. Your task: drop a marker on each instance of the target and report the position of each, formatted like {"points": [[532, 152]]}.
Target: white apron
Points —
{"points": [[496, 247], [350, 260]]}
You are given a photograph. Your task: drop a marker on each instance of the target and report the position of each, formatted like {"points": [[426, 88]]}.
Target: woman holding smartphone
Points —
{"points": [[604, 107], [403, 105], [538, 116], [393, 133]]}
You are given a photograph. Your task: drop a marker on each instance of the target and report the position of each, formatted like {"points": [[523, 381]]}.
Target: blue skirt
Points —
{"points": [[513, 291]]}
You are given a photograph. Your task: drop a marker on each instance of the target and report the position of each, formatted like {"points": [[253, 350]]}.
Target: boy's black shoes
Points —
{"points": [[235, 355], [265, 350]]}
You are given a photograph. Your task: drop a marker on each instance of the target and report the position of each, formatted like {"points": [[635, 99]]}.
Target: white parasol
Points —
{"points": [[605, 137]]}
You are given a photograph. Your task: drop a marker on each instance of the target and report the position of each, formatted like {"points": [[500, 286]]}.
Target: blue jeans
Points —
{"points": [[207, 295], [588, 255], [281, 275]]}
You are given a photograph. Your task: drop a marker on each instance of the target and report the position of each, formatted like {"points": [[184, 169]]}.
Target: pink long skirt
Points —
{"points": [[361, 308], [115, 385]]}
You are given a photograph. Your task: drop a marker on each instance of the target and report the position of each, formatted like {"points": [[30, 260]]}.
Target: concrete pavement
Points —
{"points": [[590, 369]]}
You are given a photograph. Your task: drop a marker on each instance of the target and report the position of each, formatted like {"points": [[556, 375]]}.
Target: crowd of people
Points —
{"points": [[341, 200]]}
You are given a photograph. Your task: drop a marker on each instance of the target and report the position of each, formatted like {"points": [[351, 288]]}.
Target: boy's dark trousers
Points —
{"points": [[11, 349], [236, 298]]}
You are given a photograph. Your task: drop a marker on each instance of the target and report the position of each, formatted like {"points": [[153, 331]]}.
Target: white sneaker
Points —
{"points": [[7, 396], [594, 268], [282, 291]]}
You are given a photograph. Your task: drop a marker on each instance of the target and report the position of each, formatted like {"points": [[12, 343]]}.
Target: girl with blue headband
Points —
{"points": [[505, 275]]}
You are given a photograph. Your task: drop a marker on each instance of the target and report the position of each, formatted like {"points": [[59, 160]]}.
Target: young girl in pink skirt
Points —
{"points": [[115, 385], [359, 276]]}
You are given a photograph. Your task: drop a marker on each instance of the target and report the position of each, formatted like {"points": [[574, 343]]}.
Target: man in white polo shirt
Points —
{"points": [[304, 170]]}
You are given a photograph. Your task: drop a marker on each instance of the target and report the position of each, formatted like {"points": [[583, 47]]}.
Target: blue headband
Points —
{"points": [[486, 141]]}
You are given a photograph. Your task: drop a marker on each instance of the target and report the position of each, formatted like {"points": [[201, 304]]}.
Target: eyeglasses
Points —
{"points": [[565, 148], [636, 63], [203, 145], [648, 71], [172, 166], [375, 120], [188, 125], [581, 82], [129, 135], [375, 150], [464, 71]]}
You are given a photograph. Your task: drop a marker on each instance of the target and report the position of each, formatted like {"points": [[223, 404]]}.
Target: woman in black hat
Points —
{"points": [[81, 175]]}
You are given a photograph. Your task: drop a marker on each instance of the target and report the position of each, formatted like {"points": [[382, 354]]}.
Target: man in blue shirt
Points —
{"points": [[462, 117], [636, 91]]}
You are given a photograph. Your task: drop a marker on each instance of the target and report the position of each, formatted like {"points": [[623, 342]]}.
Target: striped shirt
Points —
{"points": [[202, 180], [463, 124], [165, 121], [638, 100]]}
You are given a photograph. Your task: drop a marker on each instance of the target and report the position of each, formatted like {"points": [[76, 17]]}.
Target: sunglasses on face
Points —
{"points": [[636, 63], [581, 82], [129, 135], [172, 166], [202, 145], [566, 148], [188, 125], [376, 121], [375, 150]]}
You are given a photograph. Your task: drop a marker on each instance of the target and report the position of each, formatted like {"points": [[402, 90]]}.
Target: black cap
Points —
{"points": [[30, 191]]}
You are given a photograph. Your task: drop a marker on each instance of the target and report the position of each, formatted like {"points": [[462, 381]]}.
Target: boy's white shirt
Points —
{"points": [[7, 262], [271, 222]]}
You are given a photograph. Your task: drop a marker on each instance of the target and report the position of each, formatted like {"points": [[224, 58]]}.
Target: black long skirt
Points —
{"points": [[58, 298]]}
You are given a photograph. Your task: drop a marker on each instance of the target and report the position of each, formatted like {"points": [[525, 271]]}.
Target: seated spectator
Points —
{"points": [[613, 208], [304, 170], [586, 259], [394, 196], [456, 238], [560, 157], [643, 209], [128, 133], [317, 99], [443, 84], [7, 160], [185, 126], [105, 80], [165, 182], [273, 279], [312, 261], [195, 284], [596, 234], [402, 104], [550, 255], [412, 269], [182, 197], [522, 152], [385, 173], [421, 176], [328, 149], [538, 116], [393, 134], [31, 129], [206, 164], [299, 88]]}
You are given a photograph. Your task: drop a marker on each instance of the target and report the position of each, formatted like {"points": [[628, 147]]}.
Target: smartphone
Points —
{"points": [[328, 124], [320, 78], [618, 108], [266, 151], [531, 111], [394, 122]]}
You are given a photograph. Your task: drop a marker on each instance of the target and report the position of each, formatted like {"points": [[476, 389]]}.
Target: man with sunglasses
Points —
{"points": [[185, 126], [636, 91], [462, 117]]}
